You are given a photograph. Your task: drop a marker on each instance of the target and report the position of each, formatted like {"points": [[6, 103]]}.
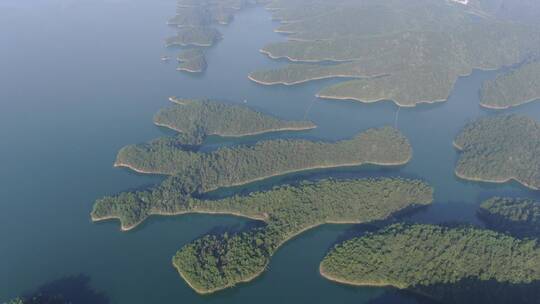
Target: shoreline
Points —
{"points": [[351, 283], [330, 97], [279, 245], [126, 228], [189, 70], [250, 77], [271, 56], [210, 291], [343, 165], [506, 107], [501, 180]]}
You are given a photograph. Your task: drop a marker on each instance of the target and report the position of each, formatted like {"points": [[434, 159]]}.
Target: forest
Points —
{"points": [[192, 60], [236, 165], [515, 87], [414, 57], [499, 149], [447, 264], [216, 262], [200, 118], [517, 216]]}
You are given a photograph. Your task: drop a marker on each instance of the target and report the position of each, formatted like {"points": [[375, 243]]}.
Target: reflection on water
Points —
{"points": [[69, 290]]}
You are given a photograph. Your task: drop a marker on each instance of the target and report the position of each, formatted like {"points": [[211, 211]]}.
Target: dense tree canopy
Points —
{"points": [[434, 261], [520, 217], [406, 51], [241, 164], [192, 60], [513, 88], [500, 148], [200, 118], [216, 262]]}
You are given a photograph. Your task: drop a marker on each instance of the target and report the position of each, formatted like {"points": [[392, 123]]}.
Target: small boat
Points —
{"points": [[165, 58]]}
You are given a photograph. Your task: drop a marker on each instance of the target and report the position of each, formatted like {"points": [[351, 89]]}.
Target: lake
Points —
{"points": [[81, 78]]}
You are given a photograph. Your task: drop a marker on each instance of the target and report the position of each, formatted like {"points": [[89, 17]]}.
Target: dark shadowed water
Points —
{"points": [[80, 79]]}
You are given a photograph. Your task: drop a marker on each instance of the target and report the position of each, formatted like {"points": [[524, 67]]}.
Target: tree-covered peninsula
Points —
{"points": [[409, 52], [196, 119], [192, 60], [216, 262], [499, 149], [518, 86], [193, 173], [450, 265], [194, 36], [518, 216], [196, 20], [241, 164]]}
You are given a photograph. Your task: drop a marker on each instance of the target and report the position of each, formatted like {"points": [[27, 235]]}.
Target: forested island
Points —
{"points": [[192, 60], [517, 216], [241, 164], [196, 20], [197, 119], [216, 262], [407, 52], [518, 86], [197, 172], [499, 149], [448, 264]]}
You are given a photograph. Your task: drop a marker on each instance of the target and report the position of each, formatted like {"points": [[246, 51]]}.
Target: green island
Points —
{"points": [[194, 36], [195, 119], [192, 61], [241, 164], [448, 264], [403, 51], [215, 262], [513, 88], [518, 216], [500, 148], [196, 173], [196, 20]]}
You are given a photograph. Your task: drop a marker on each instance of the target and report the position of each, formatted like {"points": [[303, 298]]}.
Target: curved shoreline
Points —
{"points": [[318, 95], [288, 238], [189, 70], [506, 107], [126, 228], [501, 180], [351, 283], [271, 56], [344, 165], [250, 77], [284, 129]]}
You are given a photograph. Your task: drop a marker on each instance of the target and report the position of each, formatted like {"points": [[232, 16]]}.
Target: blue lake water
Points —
{"points": [[80, 79]]}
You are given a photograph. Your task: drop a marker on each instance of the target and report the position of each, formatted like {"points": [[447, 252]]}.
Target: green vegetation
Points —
{"points": [[520, 217], [450, 265], [500, 148], [516, 87], [242, 164], [197, 119], [213, 263], [194, 172], [195, 20], [192, 60], [194, 36], [408, 52]]}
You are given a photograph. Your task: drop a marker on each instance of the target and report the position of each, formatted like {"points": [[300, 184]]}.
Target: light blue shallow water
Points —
{"points": [[81, 79]]}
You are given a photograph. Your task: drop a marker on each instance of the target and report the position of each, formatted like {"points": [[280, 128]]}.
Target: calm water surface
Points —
{"points": [[81, 79]]}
